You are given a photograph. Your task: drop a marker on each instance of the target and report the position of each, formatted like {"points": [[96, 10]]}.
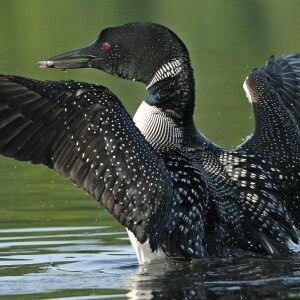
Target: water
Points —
{"points": [[55, 242], [44, 261], [79, 263]]}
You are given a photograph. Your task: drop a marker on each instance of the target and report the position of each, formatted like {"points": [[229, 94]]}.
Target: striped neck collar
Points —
{"points": [[169, 69]]}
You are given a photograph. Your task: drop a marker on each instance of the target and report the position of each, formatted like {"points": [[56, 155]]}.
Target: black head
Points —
{"points": [[133, 51]]}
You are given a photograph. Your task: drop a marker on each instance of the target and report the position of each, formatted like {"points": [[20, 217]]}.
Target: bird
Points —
{"points": [[179, 195]]}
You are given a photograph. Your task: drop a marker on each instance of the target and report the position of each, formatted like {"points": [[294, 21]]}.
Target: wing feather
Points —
{"points": [[275, 92], [284, 74], [85, 134]]}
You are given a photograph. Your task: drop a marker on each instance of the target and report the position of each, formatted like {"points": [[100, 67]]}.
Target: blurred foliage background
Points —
{"points": [[225, 39]]}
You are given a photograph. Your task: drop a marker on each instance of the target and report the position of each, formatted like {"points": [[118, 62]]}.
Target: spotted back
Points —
{"points": [[247, 204]]}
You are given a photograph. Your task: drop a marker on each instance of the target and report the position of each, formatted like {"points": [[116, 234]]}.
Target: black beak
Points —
{"points": [[60, 61]]}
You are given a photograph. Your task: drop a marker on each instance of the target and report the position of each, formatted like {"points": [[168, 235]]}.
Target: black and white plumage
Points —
{"points": [[177, 193]]}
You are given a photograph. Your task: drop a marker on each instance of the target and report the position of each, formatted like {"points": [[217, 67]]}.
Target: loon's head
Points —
{"points": [[144, 52]]}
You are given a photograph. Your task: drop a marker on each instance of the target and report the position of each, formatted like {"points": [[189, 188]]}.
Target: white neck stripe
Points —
{"points": [[169, 69]]}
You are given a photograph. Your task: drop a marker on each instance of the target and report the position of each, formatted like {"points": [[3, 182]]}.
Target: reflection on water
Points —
{"points": [[75, 263], [242, 278]]}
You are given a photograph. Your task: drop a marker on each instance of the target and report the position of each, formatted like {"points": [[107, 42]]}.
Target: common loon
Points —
{"points": [[178, 194]]}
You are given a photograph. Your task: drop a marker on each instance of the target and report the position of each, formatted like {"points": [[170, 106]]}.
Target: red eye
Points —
{"points": [[105, 47]]}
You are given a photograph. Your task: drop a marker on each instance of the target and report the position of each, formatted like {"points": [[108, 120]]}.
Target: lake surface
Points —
{"points": [[96, 262], [57, 243]]}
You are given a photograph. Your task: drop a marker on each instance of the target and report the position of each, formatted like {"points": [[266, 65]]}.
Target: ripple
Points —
{"points": [[98, 260], [52, 229]]}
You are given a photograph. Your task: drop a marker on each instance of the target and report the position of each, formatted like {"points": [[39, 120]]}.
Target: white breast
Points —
{"points": [[162, 133], [157, 127]]}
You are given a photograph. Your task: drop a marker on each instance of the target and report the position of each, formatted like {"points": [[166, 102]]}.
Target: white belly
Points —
{"points": [[143, 251]]}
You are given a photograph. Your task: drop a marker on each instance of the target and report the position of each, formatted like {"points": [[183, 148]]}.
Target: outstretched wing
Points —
{"points": [[84, 133], [274, 92], [284, 75]]}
